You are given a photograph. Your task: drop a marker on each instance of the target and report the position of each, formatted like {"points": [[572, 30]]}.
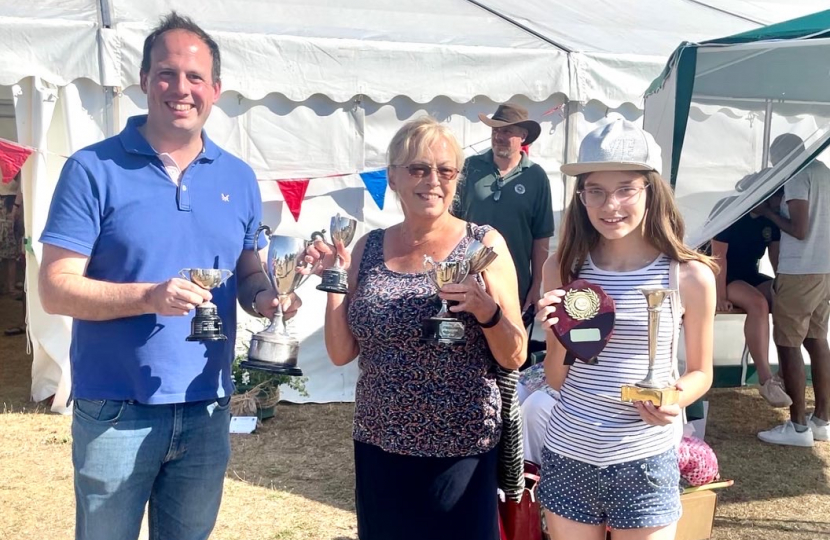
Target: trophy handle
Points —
{"points": [[225, 275], [429, 263], [184, 273], [259, 231]]}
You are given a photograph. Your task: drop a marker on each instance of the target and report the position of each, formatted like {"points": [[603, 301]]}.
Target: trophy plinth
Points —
{"points": [[658, 396], [650, 389], [444, 330], [586, 321], [274, 353], [336, 279], [206, 324]]}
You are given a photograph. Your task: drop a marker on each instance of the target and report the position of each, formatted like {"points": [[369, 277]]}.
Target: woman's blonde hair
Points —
{"points": [[663, 228], [415, 138]]}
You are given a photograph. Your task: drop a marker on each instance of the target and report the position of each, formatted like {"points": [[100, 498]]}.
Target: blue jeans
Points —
{"points": [[126, 454]]}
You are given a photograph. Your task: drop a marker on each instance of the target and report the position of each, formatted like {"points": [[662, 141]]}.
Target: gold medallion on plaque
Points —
{"points": [[581, 304]]}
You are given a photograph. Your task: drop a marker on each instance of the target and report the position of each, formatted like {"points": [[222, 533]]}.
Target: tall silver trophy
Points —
{"points": [[206, 324], [650, 389], [275, 350], [444, 328], [336, 279]]}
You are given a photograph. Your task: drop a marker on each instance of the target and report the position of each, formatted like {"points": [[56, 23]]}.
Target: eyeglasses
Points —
{"points": [[625, 196], [497, 185], [421, 170]]}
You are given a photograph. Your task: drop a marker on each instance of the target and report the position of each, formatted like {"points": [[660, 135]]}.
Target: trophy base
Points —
{"points": [[206, 325], [445, 331], [334, 280], [658, 396], [273, 353], [269, 367]]}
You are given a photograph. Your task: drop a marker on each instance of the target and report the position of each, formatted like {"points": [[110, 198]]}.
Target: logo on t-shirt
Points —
{"points": [[226, 198], [766, 232], [520, 189]]}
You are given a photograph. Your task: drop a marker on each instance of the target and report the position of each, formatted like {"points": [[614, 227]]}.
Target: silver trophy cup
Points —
{"points": [[336, 279], [275, 350], [444, 328], [206, 324]]}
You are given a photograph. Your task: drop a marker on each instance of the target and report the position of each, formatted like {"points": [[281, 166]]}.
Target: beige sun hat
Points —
{"points": [[619, 145]]}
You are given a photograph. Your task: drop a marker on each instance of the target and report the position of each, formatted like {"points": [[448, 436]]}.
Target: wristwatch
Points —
{"points": [[253, 303]]}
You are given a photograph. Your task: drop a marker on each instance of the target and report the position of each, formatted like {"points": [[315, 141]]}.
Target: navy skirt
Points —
{"points": [[416, 498]]}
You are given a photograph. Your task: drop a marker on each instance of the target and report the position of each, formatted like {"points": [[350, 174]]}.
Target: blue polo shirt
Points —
{"points": [[116, 204]]}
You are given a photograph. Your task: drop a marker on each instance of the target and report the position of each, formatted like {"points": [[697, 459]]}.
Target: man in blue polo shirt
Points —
{"points": [[151, 415]]}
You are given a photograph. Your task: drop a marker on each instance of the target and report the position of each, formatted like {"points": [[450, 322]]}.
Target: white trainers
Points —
{"points": [[773, 392], [820, 433], [787, 435]]}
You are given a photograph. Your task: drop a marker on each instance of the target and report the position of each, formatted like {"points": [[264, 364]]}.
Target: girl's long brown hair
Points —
{"points": [[663, 228]]}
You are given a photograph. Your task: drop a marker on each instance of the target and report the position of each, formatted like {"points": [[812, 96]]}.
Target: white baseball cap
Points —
{"points": [[619, 145]]}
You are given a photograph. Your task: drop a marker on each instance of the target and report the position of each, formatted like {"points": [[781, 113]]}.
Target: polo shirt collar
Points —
{"points": [[135, 143], [524, 163]]}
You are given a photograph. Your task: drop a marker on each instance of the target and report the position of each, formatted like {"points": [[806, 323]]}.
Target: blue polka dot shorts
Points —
{"points": [[633, 495]]}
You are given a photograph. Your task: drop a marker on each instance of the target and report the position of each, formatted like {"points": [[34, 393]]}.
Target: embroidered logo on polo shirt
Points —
{"points": [[226, 198], [766, 233], [520, 189]]}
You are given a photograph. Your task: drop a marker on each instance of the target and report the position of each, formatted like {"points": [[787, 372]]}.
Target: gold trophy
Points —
{"points": [[649, 389]]}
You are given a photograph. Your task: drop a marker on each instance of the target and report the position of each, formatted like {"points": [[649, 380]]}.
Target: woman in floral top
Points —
{"points": [[427, 415]]}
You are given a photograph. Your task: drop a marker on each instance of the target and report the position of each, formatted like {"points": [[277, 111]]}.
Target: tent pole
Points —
{"points": [[767, 129], [110, 92]]}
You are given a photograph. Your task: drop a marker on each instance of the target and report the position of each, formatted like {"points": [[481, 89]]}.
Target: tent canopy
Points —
{"points": [[384, 48], [728, 98]]}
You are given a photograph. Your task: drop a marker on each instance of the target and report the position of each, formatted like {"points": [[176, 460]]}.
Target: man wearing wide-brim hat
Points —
{"points": [[503, 188]]}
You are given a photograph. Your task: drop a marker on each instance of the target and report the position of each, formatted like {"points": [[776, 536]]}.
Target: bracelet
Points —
{"points": [[253, 303], [494, 320]]}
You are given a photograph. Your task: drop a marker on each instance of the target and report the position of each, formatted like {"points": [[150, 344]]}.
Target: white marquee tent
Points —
{"points": [[316, 88]]}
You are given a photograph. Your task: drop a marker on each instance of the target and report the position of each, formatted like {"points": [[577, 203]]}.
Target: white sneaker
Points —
{"points": [[773, 392], [787, 435], [820, 433]]}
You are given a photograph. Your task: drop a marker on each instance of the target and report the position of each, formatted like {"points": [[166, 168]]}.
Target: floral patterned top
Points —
{"points": [[418, 398]]}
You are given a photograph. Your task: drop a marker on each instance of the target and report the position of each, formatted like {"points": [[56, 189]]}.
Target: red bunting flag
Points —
{"points": [[12, 158], [293, 191]]}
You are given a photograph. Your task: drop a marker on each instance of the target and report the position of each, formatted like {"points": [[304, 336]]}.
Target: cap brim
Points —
{"points": [[575, 169]]}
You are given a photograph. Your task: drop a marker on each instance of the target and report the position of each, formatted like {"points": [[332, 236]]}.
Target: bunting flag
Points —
{"points": [[12, 158], [375, 182], [293, 192]]}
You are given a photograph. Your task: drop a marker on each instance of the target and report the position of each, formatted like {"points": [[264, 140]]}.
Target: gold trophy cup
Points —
{"points": [[650, 389]]}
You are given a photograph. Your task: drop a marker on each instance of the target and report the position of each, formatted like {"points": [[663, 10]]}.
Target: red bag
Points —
{"points": [[522, 520]]}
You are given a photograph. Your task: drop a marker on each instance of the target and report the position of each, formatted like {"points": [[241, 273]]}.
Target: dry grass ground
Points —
{"points": [[292, 479]]}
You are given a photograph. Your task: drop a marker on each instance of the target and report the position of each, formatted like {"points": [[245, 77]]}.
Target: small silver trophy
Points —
{"points": [[336, 279], [274, 350], [649, 389], [443, 327], [206, 324]]}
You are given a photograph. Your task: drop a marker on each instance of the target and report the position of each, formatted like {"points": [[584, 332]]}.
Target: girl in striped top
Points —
{"points": [[605, 462]]}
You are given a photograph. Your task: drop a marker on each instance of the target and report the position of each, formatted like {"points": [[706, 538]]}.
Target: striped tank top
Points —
{"points": [[590, 423]]}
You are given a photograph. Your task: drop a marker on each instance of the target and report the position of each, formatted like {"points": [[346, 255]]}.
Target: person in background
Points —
{"points": [[739, 250], [9, 249], [427, 415], [607, 463], [801, 293], [505, 189]]}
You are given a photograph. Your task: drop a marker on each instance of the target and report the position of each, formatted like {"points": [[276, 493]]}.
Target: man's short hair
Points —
{"points": [[783, 146], [174, 21]]}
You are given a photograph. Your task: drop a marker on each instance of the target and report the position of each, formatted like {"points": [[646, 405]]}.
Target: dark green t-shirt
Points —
{"points": [[522, 213]]}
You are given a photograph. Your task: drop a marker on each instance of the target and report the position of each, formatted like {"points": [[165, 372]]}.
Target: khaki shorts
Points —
{"points": [[800, 308]]}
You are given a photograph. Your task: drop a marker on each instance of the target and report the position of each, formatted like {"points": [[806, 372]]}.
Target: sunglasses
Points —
{"points": [[497, 186], [422, 170]]}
